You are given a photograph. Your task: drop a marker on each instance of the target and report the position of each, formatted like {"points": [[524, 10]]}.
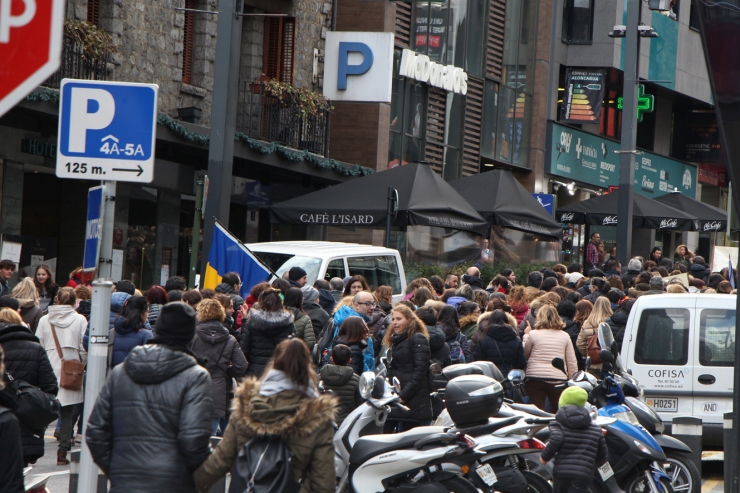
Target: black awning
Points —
{"points": [[501, 200], [424, 198], [646, 213], [711, 218]]}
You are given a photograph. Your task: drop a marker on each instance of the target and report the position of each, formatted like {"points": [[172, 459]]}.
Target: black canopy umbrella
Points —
{"points": [[647, 213], [710, 218], [501, 200], [424, 198]]}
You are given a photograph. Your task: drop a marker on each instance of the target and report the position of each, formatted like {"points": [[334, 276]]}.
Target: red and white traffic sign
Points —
{"points": [[30, 46]]}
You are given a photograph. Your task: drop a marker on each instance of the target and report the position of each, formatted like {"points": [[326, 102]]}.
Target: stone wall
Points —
{"points": [[148, 37]]}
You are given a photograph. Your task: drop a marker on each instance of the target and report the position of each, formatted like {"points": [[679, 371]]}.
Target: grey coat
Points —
{"points": [[223, 359]]}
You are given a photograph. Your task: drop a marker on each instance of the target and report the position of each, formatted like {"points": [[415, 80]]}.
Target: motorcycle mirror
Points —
{"points": [[559, 363], [579, 377], [607, 356], [378, 388], [515, 376]]}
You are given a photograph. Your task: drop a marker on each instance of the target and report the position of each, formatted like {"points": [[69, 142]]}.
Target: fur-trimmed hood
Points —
{"points": [[290, 414], [268, 321], [468, 320]]}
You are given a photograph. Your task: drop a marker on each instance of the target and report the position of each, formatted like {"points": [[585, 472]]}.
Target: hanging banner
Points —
{"points": [[584, 92]]}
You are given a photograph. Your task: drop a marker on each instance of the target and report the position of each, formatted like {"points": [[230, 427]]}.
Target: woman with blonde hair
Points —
{"points": [[408, 340], [27, 295], [683, 256], [548, 340], [601, 312], [10, 316]]}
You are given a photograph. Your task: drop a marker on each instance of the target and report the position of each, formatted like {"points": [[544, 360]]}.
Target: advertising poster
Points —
{"points": [[698, 139], [584, 92]]}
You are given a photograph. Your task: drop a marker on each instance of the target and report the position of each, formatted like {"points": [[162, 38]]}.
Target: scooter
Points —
{"points": [[35, 483], [368, 461]]}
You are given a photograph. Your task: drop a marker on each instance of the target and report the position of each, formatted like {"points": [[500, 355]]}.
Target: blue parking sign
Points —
{"points": [[93, 229], [107, 130]]}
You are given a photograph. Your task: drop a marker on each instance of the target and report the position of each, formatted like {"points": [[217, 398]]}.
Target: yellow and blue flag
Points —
{"points": [[229, 255]]}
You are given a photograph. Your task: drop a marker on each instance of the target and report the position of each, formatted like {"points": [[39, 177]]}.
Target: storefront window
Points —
{"points": [[430, 30], [408, 116], [578, 21], [490, 112], [456, 39], [451, 169]]}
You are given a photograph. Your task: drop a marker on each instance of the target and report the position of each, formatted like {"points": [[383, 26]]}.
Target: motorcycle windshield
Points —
{"points": [[636, 432]]}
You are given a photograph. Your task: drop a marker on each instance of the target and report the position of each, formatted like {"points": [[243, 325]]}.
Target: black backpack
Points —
{"points": [[264, 465], [323, 343], [34, 407]]}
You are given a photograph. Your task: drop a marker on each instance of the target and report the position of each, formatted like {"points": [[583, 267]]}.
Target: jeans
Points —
{"points": [[66, 428]]}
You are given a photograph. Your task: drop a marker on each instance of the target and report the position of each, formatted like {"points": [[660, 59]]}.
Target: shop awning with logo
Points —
{"points": [[646, 213], [424, 198], [501, 200], [711, 219]]}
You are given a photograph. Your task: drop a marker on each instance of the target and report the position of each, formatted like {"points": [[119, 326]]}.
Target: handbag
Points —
{"points": [[70, 377], [34, 407], [594, 350]]}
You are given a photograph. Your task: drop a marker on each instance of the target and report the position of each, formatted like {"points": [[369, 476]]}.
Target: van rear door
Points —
{"points": [[660, 355], [715, 357]]}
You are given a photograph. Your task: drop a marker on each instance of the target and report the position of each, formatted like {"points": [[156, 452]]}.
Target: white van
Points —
{"points": [[326, 259], [681, 348]]}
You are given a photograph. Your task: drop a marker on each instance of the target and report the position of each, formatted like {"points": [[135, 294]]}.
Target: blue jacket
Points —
{"points": [[117, 300], [126, 339], [368, 354]]}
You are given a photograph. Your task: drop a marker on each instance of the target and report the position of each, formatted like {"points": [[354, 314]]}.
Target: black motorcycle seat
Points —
{"points": [[543, 435], [370, 446], [488, 428]]}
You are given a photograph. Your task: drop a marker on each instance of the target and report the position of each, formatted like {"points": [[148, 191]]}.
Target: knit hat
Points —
{"points": [[573, 277], [572, 396], [309, 293], [175, 325], [656, 282], [296, 273]]}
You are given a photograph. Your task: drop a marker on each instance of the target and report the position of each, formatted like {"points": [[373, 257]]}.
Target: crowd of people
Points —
{"points": [[186, 364]]}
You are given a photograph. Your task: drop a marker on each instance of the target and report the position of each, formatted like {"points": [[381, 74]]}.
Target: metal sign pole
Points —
{"points": [[97, 356], [105, 266], [196, 233]]}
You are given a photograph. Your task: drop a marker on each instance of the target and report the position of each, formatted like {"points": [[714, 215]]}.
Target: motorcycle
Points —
{"points": [[35, 483]]}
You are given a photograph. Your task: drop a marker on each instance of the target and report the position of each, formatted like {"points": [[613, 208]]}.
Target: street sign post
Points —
{"points": [[93, 229], [30, 46], [107, 131]]}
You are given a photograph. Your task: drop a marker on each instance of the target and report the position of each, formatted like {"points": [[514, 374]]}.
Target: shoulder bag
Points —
{"points": [[72, 371], [34, 407], [594, 350]]}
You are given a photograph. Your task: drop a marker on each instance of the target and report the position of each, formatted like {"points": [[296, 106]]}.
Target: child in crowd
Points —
{"points": [[342, 381]]}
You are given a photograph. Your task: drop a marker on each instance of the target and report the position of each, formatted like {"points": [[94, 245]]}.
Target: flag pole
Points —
{"points": [[259, 260]]}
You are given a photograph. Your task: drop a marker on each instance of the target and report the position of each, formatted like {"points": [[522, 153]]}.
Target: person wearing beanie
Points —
{"points": [[297, 277], [313, 308], [161, 434], [577, 444]]}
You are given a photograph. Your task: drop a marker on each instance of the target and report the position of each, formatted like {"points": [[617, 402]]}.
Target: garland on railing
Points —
{"points": [[45, 95], [269, 148]]}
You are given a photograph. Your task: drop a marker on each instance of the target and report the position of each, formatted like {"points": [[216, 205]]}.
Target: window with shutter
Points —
{"points": [[472, 128], [403, 24], [188, 41], [279, 48], [93, 12], [495, 39]]}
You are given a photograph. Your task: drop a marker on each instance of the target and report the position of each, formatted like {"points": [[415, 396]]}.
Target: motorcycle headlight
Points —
{"points": [[627, 417], [657, 422], [642, 447]]}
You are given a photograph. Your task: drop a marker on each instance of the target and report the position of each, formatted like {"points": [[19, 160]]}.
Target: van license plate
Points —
{"points": [[606, 471], [486, 474], [663, 405]]}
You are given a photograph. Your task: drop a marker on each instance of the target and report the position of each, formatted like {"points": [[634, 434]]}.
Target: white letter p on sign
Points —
{"points": [[80, 120], [7, 20]]}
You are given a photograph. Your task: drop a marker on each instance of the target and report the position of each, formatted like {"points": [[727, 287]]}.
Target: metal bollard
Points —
{"points": [[74, 474], [729, 449], [688, 430], [219, 487]]}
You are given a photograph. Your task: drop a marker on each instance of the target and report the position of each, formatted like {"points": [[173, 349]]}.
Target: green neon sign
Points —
{"points": [[645, 102]]}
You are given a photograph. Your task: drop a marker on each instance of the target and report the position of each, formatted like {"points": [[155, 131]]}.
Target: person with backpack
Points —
{"points": [[362, 305], [282, 408], [221, 354], [354, 334], [303, 324], [264, 328], [26, 360], [501, 345], [588, 337], [343, 382], [151, 425], [448, 322], [61, 333]]}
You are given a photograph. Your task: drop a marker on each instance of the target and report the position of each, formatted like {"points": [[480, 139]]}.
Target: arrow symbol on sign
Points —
{"points": [[140, 170]]}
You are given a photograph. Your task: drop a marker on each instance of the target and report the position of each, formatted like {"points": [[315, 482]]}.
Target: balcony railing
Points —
{"points": [[265, 117], [75, 66]]}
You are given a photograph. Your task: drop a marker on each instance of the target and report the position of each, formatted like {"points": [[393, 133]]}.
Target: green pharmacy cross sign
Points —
{"points": [[645, 102]]}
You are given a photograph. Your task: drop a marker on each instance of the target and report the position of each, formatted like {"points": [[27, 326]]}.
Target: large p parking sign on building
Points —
{"points": [[107, 130], [358, 66]]}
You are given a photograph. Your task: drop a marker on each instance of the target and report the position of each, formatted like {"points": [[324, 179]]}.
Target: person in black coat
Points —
{"points": [[26, 359], [263, 330], [501, 346], [11, 452], [618, 321], [409, 361], [150, 428], [567, 311], [312, 308], [437, 345], [353, 333], [577, 444], [342, 381]]}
